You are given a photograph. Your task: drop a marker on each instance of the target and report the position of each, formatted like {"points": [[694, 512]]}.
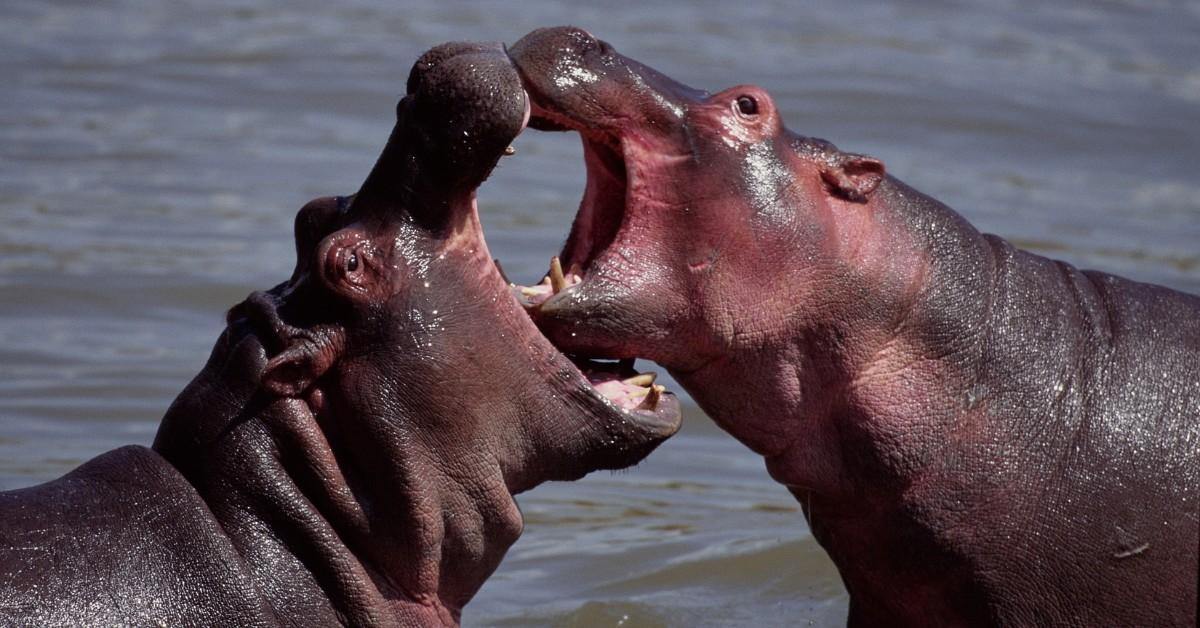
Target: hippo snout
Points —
{"points": [[467, 99], [577, 81], [557, 43], [463, 108]]}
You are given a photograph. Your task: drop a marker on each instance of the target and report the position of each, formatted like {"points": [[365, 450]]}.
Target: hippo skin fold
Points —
{"points": [[350, 452], [977, 435]]}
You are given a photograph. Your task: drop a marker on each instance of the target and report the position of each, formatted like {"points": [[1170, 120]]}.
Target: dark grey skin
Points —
{"points": [[350, 452], [978, 435]]}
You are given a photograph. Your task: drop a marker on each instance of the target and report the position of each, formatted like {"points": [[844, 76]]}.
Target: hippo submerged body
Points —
{"points": [[350, 452], [977, 435]]}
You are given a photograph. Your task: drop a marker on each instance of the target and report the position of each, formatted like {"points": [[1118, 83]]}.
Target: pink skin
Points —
{"points": [[912, 381]]}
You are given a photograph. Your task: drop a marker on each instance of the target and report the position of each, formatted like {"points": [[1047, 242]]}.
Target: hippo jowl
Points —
{"points": [[350, 452], [977, 435]]}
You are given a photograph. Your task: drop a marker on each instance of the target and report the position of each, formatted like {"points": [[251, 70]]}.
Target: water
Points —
{"points": [[152, 156]]}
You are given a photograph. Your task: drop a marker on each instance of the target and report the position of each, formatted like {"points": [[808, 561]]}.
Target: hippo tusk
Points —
{"points": [[641, 379], [652, 397], [557, 281]]}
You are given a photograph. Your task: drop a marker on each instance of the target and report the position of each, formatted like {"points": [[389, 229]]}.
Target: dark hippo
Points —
{"points": [[350, 452], [977, 435]]}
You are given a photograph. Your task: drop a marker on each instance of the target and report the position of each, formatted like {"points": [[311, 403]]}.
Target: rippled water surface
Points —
{"points": [[152, 156]]}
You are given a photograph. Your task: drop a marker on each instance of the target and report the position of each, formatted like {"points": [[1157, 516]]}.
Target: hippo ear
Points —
{"points": [[852, 176], [303, 361]]}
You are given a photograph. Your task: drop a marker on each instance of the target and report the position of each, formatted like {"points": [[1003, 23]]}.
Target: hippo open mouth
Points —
{"points": [[606, 294], [453, 305], [638, 412], [596, 227], [613, 380]]}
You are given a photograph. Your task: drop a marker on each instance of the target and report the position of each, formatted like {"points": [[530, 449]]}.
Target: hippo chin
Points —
{"points": [[350, 452], [977, 435]]}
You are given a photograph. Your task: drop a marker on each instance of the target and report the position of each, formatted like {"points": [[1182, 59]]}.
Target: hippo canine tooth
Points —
{"points": [[653, 394], [509, 151], [641, 379], [557, 281]]}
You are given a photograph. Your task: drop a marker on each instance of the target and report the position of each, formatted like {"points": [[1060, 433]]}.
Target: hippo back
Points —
{"points": [[122, 540]]}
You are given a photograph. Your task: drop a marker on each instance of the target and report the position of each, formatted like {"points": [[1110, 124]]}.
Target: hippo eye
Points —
{"points": [[352, 263], [747, 105]]}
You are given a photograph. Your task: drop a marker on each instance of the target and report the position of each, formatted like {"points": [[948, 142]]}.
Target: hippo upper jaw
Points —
{"points": [[623, 293]]}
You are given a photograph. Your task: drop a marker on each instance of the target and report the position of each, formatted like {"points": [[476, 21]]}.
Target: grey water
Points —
{"points": [[152, 156]]}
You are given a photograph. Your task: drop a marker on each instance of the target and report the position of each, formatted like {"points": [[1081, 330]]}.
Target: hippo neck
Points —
{"points": [[811, 396], [366, 546]]}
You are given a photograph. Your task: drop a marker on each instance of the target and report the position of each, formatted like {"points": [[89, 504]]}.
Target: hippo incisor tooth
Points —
{"points": [[641, 379], [510, 151], [652, 397], [557, 281]]}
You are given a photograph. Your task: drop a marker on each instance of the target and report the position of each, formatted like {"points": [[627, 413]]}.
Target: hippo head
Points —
{"points": [[398, 291], [698, 207], [757, 265], [407, 394]]}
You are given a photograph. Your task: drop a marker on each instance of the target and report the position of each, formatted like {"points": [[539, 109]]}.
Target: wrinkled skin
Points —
{"points": [[350, 452], [977, 435]]}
